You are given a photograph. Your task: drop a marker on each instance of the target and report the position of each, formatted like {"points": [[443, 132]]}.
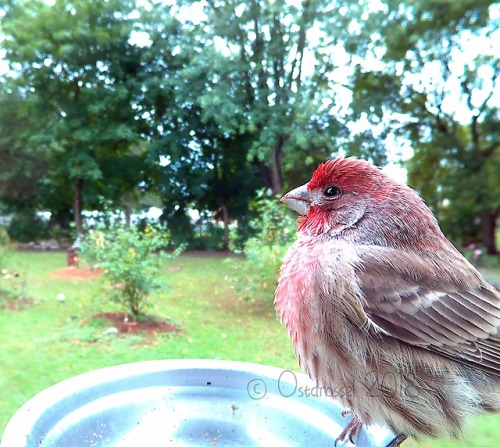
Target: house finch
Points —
{"points": [[380, 304]]}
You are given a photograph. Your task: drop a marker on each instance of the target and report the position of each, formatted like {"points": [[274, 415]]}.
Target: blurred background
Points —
{"points": [[174, 125]]}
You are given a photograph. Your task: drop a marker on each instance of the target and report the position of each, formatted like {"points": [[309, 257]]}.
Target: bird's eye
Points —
{"points": [[332, 191]]}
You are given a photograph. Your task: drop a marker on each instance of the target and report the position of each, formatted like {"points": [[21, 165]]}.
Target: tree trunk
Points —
{"points": [[488, 232], [272, 173], [277, 166], [128, 215], [225, 217], [78, 206]]}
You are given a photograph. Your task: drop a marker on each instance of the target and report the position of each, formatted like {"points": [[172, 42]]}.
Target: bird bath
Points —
{"points": [[183, 403]]}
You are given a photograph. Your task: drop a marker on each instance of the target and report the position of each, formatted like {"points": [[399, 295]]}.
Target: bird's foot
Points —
{"points": [[351, 428], [397, 441]]}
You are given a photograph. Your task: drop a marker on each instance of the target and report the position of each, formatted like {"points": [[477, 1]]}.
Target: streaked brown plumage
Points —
{"points": [[376, 300]]}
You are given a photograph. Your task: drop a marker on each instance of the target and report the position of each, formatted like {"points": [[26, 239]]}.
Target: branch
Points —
{"points": [[301, 44], [473, 125], [76, 90], [440, 96], [278, 61], [250, 95], [467, 92], [479, 111], [488, 151]]}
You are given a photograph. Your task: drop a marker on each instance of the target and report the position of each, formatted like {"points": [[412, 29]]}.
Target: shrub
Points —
{"points": [[209, 236], [130, 260], [27, 227], [202, 234], [256, 276]]}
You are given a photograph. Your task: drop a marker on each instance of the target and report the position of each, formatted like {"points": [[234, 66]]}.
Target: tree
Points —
{"points": [[25, 161], [268, 76], [73, 62], [435, 87], [229, 100], [203, 165]]}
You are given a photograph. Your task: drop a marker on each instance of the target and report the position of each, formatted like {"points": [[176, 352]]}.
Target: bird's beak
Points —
{"points": [[298, 199]]}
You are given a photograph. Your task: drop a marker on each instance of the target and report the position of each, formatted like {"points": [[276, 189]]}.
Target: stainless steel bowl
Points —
{"points": [[183, 403]]}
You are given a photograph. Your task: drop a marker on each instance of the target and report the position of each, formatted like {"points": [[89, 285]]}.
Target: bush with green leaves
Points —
{"points": [[275, 229], [130, 260], [27, 227]]}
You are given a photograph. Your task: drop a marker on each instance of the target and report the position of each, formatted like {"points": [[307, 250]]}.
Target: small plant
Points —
{"points": [[12, 285], [130, 260], [275, 231]]}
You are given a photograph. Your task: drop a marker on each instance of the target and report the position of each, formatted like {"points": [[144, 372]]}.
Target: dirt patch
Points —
{"points": [[76, 273], [125, 325]]}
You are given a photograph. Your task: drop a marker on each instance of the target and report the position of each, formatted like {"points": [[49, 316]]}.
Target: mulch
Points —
{"points": [[82, 273], [125, 325], [120, 320]]}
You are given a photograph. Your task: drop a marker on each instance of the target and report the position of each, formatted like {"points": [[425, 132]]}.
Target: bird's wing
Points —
{"points": [[440, 304]]}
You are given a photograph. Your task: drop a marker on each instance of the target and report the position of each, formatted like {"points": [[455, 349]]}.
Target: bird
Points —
{"points": [[378, 302]]}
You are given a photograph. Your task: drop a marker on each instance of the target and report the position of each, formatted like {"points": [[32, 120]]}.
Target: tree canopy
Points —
{"points": [[71, 62], [438, 87], [204, 102]]}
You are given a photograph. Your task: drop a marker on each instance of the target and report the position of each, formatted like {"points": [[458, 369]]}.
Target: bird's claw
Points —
{"points": [[350, 430]]}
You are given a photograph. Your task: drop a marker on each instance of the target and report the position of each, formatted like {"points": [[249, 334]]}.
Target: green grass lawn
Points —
{"points": [[51, 341]]}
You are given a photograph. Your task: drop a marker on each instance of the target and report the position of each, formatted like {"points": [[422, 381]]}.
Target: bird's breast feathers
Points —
{"points": [[312, 279]]}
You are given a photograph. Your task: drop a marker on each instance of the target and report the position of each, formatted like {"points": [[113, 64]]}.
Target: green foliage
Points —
{"points": [[432, 89], [22, 160], [203, 112], [180, 228], [260, 88], [209, 237], [256, 276], [203, 234], [72, 91], [130, 260], [26, 226]]}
